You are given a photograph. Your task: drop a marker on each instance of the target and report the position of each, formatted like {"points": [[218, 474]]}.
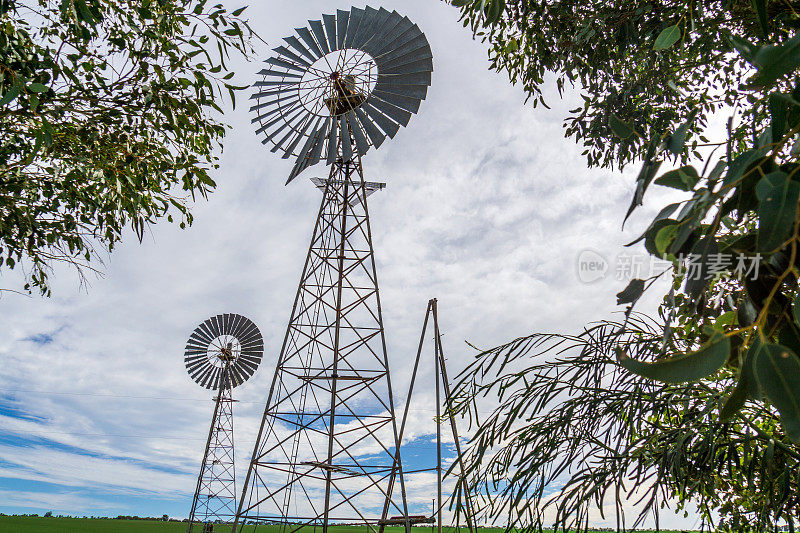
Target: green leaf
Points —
{"points": [[495, 11], [239, 11], [667, 38], [693, 366], [684, 179], [37, 88], [747, 386], [621, 129], [778, 196], [742, 162], [761, 8], [796, 310], [777, 111], [664, 238], [677, 140], [12, 93], [631, 293], [745, 48], [775, 61], [777, 370]]}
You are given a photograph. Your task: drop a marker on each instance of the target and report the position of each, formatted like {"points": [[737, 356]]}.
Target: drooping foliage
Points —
{"points": [[704, 96], [110, 116]]}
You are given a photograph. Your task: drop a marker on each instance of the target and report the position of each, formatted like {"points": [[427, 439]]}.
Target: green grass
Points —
{"points": [[25, 524]]}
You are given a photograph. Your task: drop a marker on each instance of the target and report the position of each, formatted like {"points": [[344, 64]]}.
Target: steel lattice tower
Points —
{"points": [[331, 398], [327, 450], [222, 353]]}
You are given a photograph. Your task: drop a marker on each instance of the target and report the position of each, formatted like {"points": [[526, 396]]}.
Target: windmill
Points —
{"points": [[222, 353], [327, 450]]}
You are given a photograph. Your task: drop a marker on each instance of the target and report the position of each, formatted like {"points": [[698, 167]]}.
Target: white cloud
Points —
{"points": [[487, 208]]}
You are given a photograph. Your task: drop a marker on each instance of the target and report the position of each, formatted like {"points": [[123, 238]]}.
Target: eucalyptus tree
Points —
{"points": [[110, 117], [708, 395]]}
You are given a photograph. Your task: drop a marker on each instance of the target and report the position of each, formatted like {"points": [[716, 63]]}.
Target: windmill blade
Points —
{"points": [[300, 136], [217, 324], [347, 146], [287, 123], [236, 322], [414, 78], [422, 65], [271, 72], [375, 135], [375, 45], [362, 145], [297, 45], [319, 142], [415, 48], [268, 125], [332, 144], [289, 55], [367, 24], [262, 105], [286, 64], [407, 103], [330, 31], [305, 34], [319, 33], [373, 33], [264, 94], [285, 84], [410, 91], [206, 327], [309, 144], [380, 46], [420, 55], [395, 113], [389, 127], [400, 42], [356, 15], [342, 20]]}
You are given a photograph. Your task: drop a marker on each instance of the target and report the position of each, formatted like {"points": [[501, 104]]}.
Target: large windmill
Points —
{"points": [[222, 353], [327, 450]]}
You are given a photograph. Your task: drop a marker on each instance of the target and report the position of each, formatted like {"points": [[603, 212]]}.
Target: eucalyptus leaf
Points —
{"points": [[668, 37], [778, 197], [693, 366], [777, 369]]}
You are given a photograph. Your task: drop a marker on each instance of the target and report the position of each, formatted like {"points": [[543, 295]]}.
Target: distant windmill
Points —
{"points": [[222, 353], [328, 446]]}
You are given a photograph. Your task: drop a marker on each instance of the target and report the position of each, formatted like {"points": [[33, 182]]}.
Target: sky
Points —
{"points": [[488, 208]]}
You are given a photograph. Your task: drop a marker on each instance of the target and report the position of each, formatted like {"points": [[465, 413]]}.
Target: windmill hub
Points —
{"points": [[338, 82], [224, 349]]}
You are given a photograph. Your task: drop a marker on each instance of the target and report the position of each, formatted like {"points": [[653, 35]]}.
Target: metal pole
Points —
{"points": [[438, 428], [446, 384], [339, 283], [390, 488]]}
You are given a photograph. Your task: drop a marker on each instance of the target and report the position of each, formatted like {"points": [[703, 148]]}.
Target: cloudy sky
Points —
{"points": [[487, 208]]}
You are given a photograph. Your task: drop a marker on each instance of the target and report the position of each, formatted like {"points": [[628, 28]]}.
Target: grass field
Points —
{"points": [[24, 524]]}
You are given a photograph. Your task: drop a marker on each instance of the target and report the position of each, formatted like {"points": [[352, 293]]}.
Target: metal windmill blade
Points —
{"points": [[228, 340], [341, 86]]}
